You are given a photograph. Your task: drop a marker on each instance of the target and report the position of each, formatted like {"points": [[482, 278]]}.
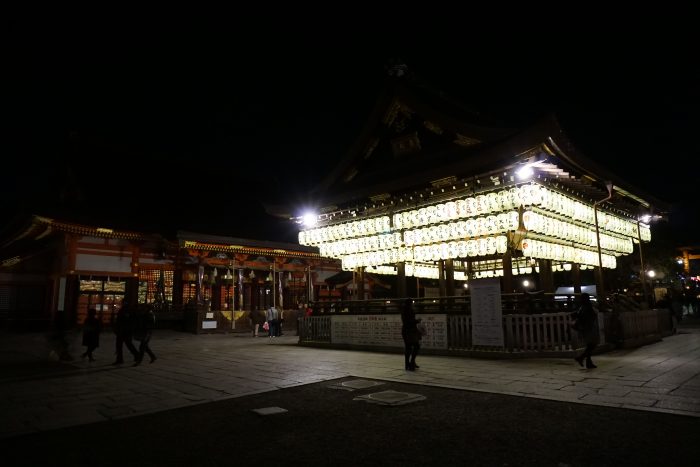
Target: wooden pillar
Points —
{"points": [[361, 283], [450, 277], [69, 315], [135, 254], [310, 283], [576, 277], [599, 284], [507, 273], [546, 278], [131, 290], [441, 277], [400, 279], [470, 270], [216, 297], [198, 289], [72, 252]]}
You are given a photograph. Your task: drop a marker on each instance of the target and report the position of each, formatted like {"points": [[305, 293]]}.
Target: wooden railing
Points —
{"points": [[539, 333], [640, 327]]}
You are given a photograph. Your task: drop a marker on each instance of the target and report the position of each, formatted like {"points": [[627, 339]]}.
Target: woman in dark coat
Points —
{"points": [[257, 319], [91, 333], [410, 333], [586, 321]]}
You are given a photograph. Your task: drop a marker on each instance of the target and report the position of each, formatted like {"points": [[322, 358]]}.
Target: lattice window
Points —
{"points": [[225, 297], [189, 292], [155, 285]]}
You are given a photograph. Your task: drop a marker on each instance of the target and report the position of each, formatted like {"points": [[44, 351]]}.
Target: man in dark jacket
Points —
{"points": [[123, 328], [145, 325]]}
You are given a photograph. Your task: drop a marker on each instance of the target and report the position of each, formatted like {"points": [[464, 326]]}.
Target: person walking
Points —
{"points": [[91, 334], [123, 328], [146, 323], [410, 334], [587, 328]]}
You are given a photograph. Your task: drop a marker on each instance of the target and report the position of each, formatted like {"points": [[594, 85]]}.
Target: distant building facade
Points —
{"points": [[50, 267]]}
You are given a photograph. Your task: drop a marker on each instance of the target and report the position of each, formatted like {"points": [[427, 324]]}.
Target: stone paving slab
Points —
{"points": [[194, 369]]}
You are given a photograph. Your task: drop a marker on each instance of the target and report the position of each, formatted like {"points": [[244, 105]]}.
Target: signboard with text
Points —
{"points": [[487, 316], [385, 330]]}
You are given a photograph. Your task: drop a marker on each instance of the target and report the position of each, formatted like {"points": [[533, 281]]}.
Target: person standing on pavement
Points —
{"points": [[587, 327], [123, 328], [145, 325], [410, 333], [257, 319], [91, 334], [272, 320]]}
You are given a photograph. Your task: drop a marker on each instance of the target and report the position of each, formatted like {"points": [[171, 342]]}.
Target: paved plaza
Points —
{"points": [[39, 393]]}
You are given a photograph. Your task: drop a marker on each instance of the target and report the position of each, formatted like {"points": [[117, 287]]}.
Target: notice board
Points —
{"points": [[385, 330], [487, 317]]}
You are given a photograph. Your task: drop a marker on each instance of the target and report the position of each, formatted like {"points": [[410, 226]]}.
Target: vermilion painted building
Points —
{"points": [[52, 268]]}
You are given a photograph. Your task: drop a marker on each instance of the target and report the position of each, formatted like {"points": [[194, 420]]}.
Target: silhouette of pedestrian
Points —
{"points": [[123, 328], [410, 333], [587, 328], [145, 324], [91, 334], [257, 319]]}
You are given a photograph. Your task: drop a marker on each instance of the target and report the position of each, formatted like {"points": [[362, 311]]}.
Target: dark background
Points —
{"points": [[160, 124]]}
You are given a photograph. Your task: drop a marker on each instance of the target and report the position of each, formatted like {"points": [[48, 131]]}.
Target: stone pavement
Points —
{"points": [[38, 393]]}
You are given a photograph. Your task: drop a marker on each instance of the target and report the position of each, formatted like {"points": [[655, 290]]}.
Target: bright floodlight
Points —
{"points": [[525, 172], [651, 273], [526, 283], [646, 218], [309, 219]]}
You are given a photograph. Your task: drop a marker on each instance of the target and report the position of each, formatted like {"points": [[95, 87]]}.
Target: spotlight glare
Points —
{"points": [[525, 173], [309, 219]]}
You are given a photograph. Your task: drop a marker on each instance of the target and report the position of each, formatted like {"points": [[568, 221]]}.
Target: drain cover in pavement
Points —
{"points": [[391, 398], [269, 410], [355, 384]]}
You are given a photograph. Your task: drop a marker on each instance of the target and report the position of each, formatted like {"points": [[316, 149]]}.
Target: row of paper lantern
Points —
{"points": [[478, 247], [345, 230], [480, 227], [546, 250], [434, 234], [520, 266], [531, 194], [432, 272], [422, 271], [536, 222]]}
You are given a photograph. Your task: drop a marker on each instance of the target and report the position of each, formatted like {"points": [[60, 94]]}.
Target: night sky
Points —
{"points": [[160, 126]]}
